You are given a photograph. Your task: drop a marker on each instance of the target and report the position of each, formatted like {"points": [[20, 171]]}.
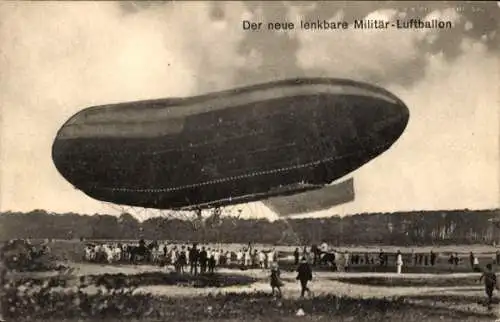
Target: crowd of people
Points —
{"points": [[194, 258], [198, 258]]}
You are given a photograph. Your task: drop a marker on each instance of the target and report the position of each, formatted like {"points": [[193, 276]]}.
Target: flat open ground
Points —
{"points": [[416, 297], [421, 294]]}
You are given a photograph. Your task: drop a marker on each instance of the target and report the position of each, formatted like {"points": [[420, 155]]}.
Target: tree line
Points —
{"points": [[400, 228]]}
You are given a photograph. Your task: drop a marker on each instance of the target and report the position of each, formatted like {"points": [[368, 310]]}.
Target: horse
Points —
{"points": [[326, 258], [139, 253]]}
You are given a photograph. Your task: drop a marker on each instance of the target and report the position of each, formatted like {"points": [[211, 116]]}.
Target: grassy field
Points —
{"points": [[255, 306], [94, 292]]}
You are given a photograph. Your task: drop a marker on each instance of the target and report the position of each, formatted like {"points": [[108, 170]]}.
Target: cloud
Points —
{"points": [[57, 58], [453, 137], [448, 156], [376, 55]]}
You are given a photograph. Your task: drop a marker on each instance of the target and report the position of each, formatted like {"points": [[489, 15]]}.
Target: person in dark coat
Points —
{"points": [[490, 283], [296, 256], [211, 263], [433, 258], [182, 260], [315, 252], [203, 260], [276, 282], [193, 259], [381, 258], [304, 276]]}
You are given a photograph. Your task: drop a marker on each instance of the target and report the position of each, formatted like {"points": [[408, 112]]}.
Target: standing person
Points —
{"points": [[451, 260], [266, 260], [182, 259], [381, 258], [239, 257], [186, 255], [304, 275], [276, 282], [270, 257], [314, 251], [346, 261], [324, 247], [247, 257], [399, 262], [476, 264], [433, 258], [203, 260], [174, 258], [490, 283], [255, 258], [211, 263], [296, 256], [471, 260], [262, 259], [193, 259]]}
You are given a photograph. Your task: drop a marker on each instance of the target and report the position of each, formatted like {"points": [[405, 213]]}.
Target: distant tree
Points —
{"points": [[128, 226], [402, 228]]}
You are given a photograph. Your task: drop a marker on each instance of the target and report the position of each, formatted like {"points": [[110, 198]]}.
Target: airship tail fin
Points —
{"points": [[312, 201]]}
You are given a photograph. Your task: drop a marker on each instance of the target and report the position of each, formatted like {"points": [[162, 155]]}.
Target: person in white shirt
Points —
{"points": [[346, 261], [271, 257], [262, 259], [399, 262], [186, 253], [173, 256], [248, 259], [239, 257]]}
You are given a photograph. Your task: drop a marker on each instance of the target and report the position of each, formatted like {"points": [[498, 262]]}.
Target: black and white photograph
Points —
{"points": [[249, 161]]}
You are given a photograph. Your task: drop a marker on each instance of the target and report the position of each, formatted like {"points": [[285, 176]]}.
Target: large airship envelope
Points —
{"points": [[235, 146], [314, 200]]}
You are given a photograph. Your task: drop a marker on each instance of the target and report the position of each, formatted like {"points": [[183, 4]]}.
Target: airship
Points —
{"points": [[253, 143]]}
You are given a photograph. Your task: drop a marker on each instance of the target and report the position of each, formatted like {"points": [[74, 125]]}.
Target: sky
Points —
{"points": [[57, 58]]}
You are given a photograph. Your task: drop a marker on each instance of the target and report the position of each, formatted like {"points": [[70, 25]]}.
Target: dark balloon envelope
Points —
{"points": [[222, 148]]}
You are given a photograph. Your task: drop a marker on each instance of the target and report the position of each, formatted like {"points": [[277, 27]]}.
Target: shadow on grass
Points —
{"points": [[157, 278], [453, 299], [410, 282]]}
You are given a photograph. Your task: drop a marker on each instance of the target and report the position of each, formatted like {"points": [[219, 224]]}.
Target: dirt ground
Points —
{"points": [[464, 299], [323, 283]]}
